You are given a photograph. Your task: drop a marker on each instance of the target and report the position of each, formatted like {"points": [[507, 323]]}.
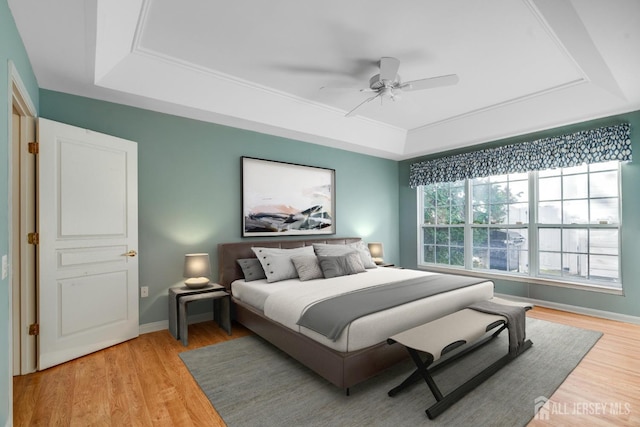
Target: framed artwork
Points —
{"points": [[283, 199]]}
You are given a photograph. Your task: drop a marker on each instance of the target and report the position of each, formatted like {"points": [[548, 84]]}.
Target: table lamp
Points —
{"points": [[197, 270], [375, 248]]}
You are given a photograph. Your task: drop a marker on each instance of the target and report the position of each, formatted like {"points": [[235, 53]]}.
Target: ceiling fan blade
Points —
{"points": [[352, 112], [448, 80], [389, 68], [345, 88]]}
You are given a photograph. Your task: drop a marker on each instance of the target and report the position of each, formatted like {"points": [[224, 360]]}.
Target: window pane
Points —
{"points": [[574, 240], [575, 265], [442, 255], [549, 172], [429, 196], [613, 165], [603, 267], [498, 214], [430, 216], [457, 214], [576, 212], [523, 260], [442, 214], [575, 187], [429, 235], [549, 212], [481, 259], [574, 169], [519, 213], [604, 184], [457, 256], [481, 193], [549, 239], [480, 214], [505, 246], [516, 176], [604, 242], [457, 236], [442, 236], [550, 264], [429, 253], [480, 237], [549, 189], [604, 211], [519, 191]]}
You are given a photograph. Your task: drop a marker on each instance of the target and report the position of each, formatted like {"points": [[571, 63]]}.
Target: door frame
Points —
{"points": [[20, 100]]}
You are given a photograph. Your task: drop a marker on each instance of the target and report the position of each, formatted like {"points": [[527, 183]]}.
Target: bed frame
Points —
{"points": [[344, 369]]}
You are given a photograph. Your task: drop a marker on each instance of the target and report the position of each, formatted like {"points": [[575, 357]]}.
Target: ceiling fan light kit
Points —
{"points": [[388, 84]]}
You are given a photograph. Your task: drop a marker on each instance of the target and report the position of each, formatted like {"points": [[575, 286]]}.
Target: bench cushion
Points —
{"points": [[464, 325]]}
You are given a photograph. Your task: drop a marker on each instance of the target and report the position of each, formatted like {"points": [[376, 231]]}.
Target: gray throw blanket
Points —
{"points": [[331, 316], [516, 320]]}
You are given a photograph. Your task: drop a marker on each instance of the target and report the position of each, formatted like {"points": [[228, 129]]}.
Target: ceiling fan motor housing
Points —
{"points": [[375, 83]]}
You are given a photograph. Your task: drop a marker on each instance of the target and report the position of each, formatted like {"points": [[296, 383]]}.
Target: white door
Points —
{"points": [[88, 237]]}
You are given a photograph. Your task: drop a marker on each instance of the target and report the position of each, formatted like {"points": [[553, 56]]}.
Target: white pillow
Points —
{"points": [[277, 262], [326, 249]]}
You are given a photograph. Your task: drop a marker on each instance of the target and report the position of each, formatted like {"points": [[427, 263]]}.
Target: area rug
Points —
{"points": [[252, 383]]}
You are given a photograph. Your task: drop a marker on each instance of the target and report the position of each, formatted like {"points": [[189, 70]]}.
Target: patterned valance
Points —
{"points": [[591, 146]]}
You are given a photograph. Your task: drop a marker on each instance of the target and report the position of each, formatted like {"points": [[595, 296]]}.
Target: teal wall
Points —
{"points": [[626, 304], [11, 49], [190, 191]]}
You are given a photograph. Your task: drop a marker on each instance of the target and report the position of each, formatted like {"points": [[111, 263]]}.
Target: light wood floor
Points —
{"points": [[143, 382]]}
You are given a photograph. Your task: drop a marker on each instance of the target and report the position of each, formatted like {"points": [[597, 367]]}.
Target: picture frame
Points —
{"points": [[286, 199]]}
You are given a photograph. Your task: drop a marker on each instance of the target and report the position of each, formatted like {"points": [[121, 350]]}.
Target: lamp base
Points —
{"points": [[378, 261], [196, 282]]}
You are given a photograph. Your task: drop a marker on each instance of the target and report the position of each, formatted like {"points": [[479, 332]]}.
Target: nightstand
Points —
{"points": [[181, 296], [390, 266]]}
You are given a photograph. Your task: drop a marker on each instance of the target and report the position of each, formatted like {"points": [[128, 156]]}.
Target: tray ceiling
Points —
{"points": [[523, 65]]}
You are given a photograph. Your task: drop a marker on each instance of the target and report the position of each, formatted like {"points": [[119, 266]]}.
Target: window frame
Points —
{"points": [[532, 227]]}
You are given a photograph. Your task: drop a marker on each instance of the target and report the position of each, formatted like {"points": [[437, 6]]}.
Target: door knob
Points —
{"points": [[131, 253]]}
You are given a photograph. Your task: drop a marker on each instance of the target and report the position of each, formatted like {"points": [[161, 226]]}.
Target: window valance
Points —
{"points": [[591, 146]]}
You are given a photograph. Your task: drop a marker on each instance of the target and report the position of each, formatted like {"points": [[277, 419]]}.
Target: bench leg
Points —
{"points": [[457, 394], [416, 375]]}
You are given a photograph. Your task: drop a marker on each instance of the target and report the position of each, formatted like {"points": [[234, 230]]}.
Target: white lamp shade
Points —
{"points": [[197, 270], [376, 250]]}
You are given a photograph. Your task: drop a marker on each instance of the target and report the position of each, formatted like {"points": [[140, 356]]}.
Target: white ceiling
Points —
{"points": [[524, 65]]}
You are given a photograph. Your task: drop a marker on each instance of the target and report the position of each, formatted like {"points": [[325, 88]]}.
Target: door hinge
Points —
{"points": [[34, 148], [34, 329], [33, 238]]}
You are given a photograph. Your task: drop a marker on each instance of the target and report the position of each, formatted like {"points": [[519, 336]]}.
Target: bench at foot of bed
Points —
{"points": [[441, 336]]}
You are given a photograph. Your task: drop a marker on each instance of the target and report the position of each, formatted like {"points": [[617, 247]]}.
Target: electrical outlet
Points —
{"points": [[144, 291], [5, 267]]}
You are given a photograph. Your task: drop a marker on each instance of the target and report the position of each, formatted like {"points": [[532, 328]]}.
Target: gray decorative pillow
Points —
{"points": [[277, 262], [327, 249], [251, 269], [334, 266], [307, 267]]}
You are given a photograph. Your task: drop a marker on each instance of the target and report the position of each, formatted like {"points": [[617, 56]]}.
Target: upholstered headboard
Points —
{"points": [[228, 253]]}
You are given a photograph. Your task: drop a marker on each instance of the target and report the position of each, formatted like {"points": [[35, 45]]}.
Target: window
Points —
{"points": [[561, 224], [444, 207], [579, 218], [500, 222]]}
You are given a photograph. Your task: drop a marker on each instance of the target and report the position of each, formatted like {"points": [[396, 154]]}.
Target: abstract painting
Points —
{"points": [[282, 199]]}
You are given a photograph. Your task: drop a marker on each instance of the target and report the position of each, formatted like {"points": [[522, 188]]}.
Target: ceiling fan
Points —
{"points": [[387, 84]]}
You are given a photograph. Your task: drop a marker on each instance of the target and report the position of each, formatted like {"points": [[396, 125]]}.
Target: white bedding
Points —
{"points": [[285, 301]]}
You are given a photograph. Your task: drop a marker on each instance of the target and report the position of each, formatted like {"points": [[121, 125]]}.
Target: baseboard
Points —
{"points": [[576, 309], [146, 328]]}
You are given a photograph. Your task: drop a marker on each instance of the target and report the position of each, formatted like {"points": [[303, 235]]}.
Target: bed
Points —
{"points": [[359, 352]]}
